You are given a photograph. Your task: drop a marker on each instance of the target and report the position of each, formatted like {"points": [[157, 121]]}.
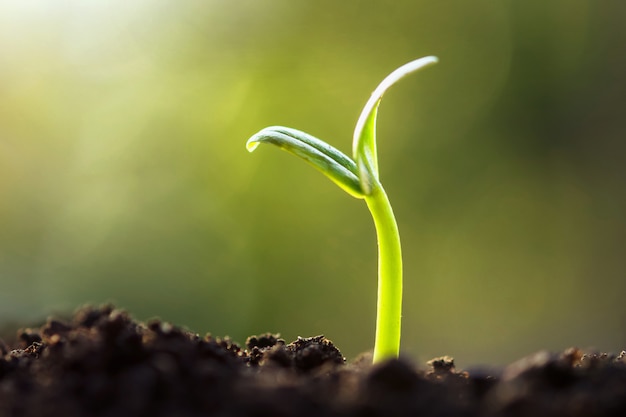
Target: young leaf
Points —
{"points": [[364, 140], [327, 159]]}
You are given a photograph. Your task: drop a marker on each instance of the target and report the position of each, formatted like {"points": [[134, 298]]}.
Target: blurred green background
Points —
{"points": [[124, 176]]}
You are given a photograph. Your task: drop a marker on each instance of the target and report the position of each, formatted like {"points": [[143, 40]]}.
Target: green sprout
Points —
{"points": [[359, 177]]}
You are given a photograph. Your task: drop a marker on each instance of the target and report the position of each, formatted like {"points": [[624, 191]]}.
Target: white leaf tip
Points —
{"points": [[252, 144]]}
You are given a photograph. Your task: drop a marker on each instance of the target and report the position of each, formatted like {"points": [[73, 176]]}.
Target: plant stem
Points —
{"points": [[389, 307]]}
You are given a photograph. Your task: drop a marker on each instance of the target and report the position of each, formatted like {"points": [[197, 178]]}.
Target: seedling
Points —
{"points": [[359, 177]]}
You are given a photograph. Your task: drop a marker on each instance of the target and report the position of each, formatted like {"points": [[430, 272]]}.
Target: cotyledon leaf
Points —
{"points": [[330, 161], [364, 140]]}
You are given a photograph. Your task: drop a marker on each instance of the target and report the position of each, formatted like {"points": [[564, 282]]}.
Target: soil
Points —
{"points": [[101, 362]]}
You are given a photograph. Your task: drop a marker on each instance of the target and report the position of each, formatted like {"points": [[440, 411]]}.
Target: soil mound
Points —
{"points": [[104, 363]]}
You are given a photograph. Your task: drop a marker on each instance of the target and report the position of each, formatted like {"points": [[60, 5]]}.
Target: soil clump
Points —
{"points": [[101, 362]]}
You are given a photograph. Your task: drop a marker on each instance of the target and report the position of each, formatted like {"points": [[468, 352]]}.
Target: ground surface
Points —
{"points": [[103, 363]]}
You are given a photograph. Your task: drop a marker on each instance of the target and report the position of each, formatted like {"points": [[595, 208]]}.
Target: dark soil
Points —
{"points": [[103, 363]]}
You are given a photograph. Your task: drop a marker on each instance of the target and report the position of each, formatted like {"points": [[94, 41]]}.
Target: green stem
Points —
{"points": [[389, 308]]}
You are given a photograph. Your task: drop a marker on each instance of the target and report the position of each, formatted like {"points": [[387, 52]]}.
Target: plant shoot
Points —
{"points": [[359, 177]]}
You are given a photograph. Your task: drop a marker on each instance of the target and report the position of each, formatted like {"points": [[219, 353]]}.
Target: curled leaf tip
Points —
{"points": [[364, 139], [263, 135], [252, 144]]}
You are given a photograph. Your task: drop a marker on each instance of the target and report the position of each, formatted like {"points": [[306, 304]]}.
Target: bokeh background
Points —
{"points": [[124, 176]]}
